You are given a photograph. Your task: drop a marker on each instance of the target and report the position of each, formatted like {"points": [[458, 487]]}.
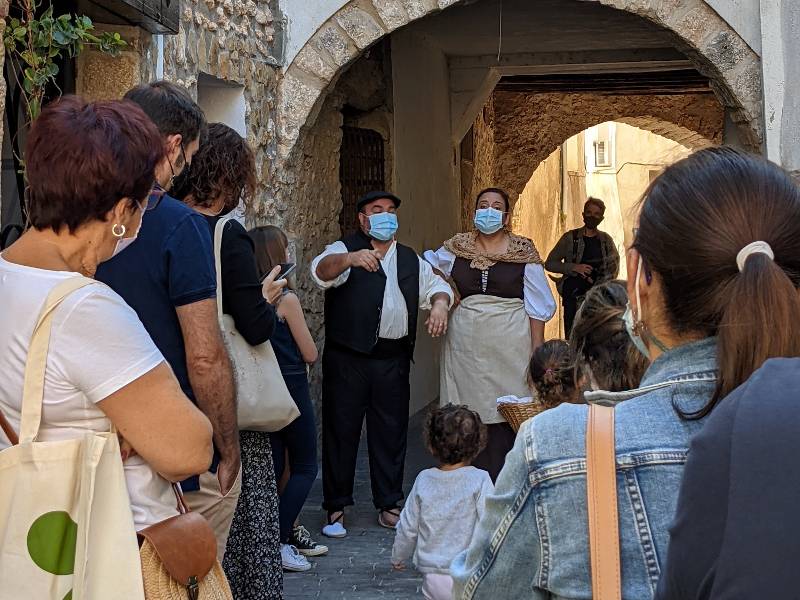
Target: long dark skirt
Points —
{"points": [[252, 558]]}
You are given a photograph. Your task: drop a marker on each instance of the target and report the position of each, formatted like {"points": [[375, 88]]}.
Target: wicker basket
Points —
{"points": [[517, 413]]}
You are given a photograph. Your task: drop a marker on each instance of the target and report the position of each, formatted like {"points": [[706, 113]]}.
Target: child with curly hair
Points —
{"points": [[446, 502], [551, 374]]}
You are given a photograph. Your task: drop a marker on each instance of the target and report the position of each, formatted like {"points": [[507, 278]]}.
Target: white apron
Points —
{"points": [[66, 528], [485, 354]]}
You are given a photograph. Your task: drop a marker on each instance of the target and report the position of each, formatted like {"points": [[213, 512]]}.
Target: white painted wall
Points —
{"points": [[744, 16], [424, 174], [222, 103], [303, 18]]}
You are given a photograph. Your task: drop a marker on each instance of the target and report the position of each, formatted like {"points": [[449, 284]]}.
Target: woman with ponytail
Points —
{"points": [[712, 281]]}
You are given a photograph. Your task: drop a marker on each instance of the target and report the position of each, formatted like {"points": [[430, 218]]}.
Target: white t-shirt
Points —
{"points": [[97, 346]]}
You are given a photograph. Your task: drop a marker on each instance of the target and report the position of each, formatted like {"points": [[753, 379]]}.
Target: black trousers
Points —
{"points": [[355, 386], [570, 310]]}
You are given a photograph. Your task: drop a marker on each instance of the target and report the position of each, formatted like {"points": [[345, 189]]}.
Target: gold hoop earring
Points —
{"points": [[121, 230]]}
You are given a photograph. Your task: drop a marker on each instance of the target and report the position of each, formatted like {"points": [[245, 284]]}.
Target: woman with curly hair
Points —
{"points": [[221, 175], [446, 502], [505, 301]]}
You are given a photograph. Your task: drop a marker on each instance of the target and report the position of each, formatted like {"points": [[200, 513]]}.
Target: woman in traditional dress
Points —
{"points": [[505, 301]]}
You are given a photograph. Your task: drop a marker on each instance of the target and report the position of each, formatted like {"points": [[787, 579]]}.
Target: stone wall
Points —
{"points": [[483, 171], [528, 127], [232, 41]]}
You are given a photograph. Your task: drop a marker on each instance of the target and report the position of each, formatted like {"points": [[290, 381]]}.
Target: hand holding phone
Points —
{"points": [[271, 286], [286, 270]]}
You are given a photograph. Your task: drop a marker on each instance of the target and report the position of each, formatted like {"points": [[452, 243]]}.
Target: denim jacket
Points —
{"points": [[533, 541]]}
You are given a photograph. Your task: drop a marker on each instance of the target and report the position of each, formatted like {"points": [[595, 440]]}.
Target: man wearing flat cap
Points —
{"points": [[374, 289]]}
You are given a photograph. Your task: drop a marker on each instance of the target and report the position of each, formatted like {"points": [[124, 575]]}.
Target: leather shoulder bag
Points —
{"points": [[601, 487], [179, 558]]}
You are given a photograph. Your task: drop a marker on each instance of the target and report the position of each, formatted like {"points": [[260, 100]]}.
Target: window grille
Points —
{"points": [[361, 170]]}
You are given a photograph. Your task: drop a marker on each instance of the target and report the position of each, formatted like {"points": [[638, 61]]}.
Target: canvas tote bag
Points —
{"points": [[264, 402], [66, 528], [601, 487]]}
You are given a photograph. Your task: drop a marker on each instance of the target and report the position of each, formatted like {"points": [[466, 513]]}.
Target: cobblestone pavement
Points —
{"points": [[357, 567]]}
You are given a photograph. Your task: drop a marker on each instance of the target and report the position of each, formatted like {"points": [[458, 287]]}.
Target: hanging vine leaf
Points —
{"points": [[40, 42]]}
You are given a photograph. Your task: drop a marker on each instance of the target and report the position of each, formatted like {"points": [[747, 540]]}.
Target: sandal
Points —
{"points": [[390, 523], [334, 528]]}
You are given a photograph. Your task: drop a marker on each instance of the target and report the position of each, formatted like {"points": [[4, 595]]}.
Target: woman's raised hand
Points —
{"points": [[272, 288]]}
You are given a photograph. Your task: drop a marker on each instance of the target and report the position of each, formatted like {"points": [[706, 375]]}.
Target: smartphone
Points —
{"points": [[286, 270]]}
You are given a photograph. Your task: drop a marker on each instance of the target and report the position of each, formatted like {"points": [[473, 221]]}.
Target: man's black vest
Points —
{"points": [[353, 310]]}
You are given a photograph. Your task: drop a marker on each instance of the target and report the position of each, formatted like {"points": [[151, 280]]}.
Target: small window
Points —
{"points": [[601, 154]]}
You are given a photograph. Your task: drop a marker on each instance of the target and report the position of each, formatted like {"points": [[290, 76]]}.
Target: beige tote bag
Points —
{"points": [[66, 528], [264, 402]]}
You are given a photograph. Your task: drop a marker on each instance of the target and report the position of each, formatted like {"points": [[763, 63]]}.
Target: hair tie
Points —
{"points": [[548, 371], [753, 248]]}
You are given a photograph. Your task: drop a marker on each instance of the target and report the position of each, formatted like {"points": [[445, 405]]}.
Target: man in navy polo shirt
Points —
{"points": [[167, 276]]}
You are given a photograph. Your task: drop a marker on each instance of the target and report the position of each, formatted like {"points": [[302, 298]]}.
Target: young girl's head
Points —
{"points": [[454, 434], [271, 244], [606, 357], [552, 373]]}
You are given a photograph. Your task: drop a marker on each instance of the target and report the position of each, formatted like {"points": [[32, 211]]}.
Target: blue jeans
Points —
{"points": [[300, 439]]}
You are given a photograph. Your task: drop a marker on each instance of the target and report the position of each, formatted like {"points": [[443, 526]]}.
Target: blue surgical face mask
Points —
{"points": [[630, 327], [382, 226], [488, 220], [631, 321]]}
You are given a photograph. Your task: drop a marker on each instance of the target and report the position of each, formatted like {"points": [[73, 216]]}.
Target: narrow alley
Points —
{"points": [[357, 567]]}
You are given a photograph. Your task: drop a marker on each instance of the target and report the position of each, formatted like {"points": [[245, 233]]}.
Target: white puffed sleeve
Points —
{"points": [[441, 259], [539, 301]]}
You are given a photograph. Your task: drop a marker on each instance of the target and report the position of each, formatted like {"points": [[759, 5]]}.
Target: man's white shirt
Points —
{"points": [[394, 314]]}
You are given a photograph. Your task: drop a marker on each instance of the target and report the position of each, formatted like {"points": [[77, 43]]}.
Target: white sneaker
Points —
{"points": [[334, 530], [292, 560]]}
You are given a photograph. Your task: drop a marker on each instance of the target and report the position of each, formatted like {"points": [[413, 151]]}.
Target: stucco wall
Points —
{"points": [[424, 174]]}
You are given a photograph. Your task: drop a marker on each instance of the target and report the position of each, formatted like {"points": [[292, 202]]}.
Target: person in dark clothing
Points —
{"points": [[736, 533], [585, 257], [167, 276], [221, 176], [374, 290], [295, 349]]}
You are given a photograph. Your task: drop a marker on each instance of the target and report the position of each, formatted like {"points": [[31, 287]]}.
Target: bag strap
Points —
{"points": [[33, 388], [601, 487], [220, 226]]}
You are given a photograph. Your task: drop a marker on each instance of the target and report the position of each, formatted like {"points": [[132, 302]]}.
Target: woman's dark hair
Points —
{"points": [[552, 373], [271, 244], [224, 166], [695, 219], [454, 434], [83, 158], [494, 190], [171, 108], [602, 343]]}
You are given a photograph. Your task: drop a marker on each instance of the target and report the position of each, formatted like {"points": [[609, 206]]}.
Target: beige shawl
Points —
{"points": [[520, 250]]}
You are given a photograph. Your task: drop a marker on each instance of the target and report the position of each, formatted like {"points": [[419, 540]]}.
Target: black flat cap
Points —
{"points": [[377, 195]]}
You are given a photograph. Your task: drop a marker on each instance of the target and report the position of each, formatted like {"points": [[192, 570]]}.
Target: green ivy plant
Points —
{"points": [[34, 44]]}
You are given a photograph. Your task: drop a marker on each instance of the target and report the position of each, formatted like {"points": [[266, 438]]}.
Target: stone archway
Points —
{"points": [[527, 127], [715, 48]]}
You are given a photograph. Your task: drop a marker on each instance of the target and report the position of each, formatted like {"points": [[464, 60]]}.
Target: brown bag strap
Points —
{"points": [[8, 430], [601, 487]]}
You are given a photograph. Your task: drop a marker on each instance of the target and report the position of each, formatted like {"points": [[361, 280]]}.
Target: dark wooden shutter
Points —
{"points": [[361, 170]]}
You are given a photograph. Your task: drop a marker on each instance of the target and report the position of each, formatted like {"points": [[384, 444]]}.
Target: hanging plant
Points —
{"points": [[34, 44]]}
